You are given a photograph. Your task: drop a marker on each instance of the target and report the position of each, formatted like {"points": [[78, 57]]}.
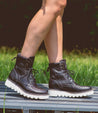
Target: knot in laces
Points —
{"points": [[66, 72], [30, 73], [69, 72]]}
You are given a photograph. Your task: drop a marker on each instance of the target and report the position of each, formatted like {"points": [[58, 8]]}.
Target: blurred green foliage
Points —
{"points": [[84, 64]]}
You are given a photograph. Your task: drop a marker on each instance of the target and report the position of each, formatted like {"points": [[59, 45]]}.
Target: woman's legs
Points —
{"points": [[60, 83], [54, 41], [40, 26], [21, 78]]}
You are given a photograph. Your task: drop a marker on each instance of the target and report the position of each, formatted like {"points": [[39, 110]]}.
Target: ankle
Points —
{"points": [[25, 55], [55, 60]]}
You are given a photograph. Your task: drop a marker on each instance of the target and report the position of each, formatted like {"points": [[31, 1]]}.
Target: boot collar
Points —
{"points": [[24, 62], [60, 65]]}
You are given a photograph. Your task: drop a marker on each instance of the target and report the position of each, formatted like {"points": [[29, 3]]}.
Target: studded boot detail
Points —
{"points": [[22, 80], [61, 83]]}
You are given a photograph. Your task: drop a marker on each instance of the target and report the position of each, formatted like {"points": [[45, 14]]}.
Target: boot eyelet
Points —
{"points": [[26, 64]]}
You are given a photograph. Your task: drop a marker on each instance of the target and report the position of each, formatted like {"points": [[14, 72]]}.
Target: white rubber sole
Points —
{"points": [[58, 93], [11, 85]]}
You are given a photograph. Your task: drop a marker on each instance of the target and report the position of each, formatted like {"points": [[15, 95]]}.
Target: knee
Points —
{"points": [[62, 3], [59, 6], [55, 6]]}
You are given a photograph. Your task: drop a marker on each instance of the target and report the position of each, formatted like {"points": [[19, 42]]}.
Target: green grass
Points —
{"points": [[84, 64]]}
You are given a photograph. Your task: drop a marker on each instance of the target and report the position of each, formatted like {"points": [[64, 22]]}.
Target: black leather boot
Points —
{"points": [[61, 84], [22, 80]]}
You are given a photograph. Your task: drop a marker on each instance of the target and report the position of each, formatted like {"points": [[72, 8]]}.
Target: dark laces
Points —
{"points": [[31, 72], [67, 73], [70, 72]]}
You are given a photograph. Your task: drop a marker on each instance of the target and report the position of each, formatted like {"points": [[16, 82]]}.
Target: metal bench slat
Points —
{"points": [[51, 106], [15, 95], [14, 100], [18, 97]]}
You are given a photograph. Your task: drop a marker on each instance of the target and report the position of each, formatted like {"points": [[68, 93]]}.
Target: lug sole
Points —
{"points": [[16, 88], [55, 93]]}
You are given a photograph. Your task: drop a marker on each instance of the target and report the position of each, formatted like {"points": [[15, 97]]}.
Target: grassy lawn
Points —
{"points": [[85, 65]]}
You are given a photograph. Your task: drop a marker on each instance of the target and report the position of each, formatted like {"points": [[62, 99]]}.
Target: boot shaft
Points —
{"points": [[57, 68], [22, 68], [56, 73], [59, 74], [23, 62]]}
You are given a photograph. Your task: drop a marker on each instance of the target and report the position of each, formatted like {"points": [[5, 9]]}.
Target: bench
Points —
{"points": [[9, 99]]}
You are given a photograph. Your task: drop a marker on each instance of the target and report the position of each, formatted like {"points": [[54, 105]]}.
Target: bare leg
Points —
{"points": [[40, 26], [54, 41]]}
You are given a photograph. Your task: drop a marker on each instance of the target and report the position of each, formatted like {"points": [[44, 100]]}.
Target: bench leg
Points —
{"points": [[25, 111], [31, 111], [58, 112]]}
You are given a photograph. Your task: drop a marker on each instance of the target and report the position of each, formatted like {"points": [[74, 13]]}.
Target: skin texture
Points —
{"points": [[54, 41], [46, 25]]}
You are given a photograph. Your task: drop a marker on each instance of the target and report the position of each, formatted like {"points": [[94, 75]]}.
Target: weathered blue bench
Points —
{"points": [[11, 100]]}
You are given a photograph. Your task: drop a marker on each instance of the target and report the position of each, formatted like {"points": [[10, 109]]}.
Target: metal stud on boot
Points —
{"points": [[22, 80], [61, 84]]}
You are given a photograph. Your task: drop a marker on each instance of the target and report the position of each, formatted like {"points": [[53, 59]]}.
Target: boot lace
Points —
{"points": [[67, 72], [31, 72]]}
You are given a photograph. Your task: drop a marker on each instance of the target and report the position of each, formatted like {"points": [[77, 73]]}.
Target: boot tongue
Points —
{"points": [[60, 65], [24, 62], [63, 61], [63, 64]]}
